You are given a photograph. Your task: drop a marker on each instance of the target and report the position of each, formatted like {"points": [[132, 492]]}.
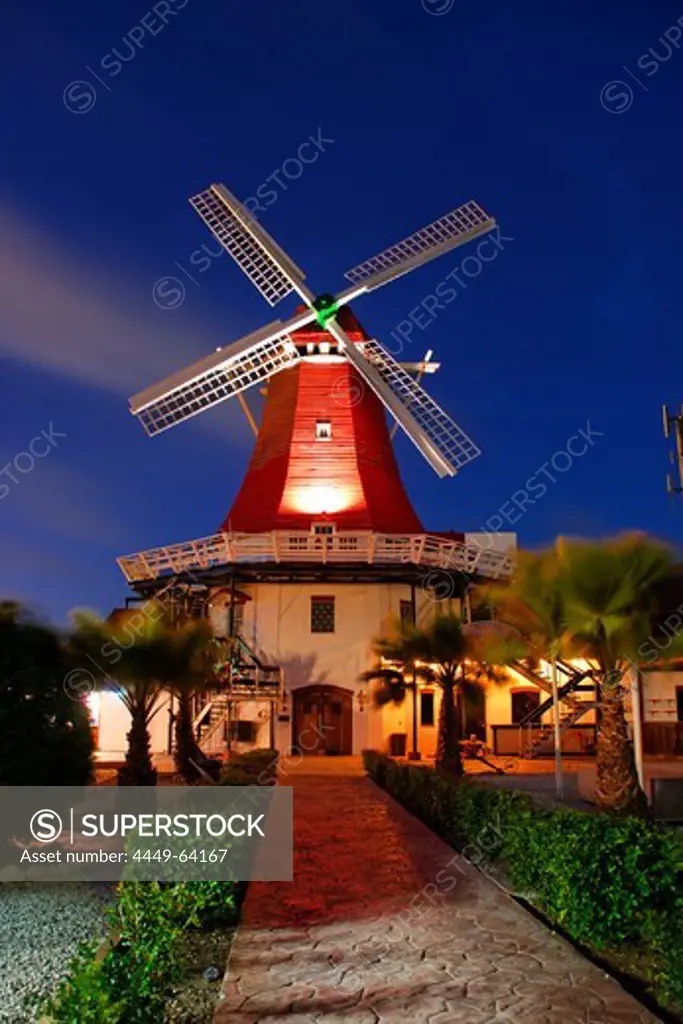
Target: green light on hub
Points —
{"points": [[326, 308]]}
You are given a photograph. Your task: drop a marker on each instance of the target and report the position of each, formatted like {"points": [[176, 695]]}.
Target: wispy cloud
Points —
{"points": [[60, 311], [65, 504]]}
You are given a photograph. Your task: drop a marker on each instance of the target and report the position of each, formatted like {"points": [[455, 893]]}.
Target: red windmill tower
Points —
{"points": [[322, 492]]}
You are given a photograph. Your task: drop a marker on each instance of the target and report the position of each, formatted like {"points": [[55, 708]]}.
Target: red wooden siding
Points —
{"points": [[294, 479]]}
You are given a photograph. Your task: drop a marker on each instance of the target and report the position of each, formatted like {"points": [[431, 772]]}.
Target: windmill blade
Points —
{"points": [[231, 370], [374, 376], [457, 227], [454, 446], [266, 265]]}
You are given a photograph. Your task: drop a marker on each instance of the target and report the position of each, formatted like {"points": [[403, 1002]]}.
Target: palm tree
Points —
{"points": [[445, 654], [596, 600], [139, 655], [533, 607], [192, 671]]}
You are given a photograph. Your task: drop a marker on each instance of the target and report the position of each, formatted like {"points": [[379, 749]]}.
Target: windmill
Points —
{"points": [[257, 357]]}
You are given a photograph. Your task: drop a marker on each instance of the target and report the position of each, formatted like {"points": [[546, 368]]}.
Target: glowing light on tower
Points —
{"points": [[321, 499]]}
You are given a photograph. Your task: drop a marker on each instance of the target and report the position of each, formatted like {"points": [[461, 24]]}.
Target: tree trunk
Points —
{"points": [[137, 769], [448, 748], [617, 788], [186, 747]]}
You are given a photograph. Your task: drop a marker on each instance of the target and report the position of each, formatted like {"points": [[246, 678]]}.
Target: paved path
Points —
{"points": [[384, 924]]}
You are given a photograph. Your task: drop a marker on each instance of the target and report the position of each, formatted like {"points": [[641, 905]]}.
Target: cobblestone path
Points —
{"points": [[384, 924]]}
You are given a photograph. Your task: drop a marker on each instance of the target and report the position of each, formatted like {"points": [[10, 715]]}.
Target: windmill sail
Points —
{"points": [[455, 228], [225, 373], [452, 443], [266, 265], [392, 401]]}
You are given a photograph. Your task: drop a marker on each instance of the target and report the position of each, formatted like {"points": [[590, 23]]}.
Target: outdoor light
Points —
{"points": [[318, 499]]}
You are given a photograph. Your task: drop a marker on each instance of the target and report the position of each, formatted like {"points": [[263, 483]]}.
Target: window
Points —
{"points": [[243, 731], [523, 703], [426, 708], [407, 614], [322, 615], [324, 529], [679, 703], [323, 430]]}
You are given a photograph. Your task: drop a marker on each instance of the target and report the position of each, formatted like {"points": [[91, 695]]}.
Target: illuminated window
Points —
{"points": [[322, 615], [323, 430]]}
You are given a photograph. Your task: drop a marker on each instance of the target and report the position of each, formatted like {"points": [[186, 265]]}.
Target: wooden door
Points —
{"points": [[322, 720]]}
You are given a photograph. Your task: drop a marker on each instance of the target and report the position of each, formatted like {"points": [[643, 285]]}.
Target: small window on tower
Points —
{"points": [[323, 430], [324, 529], [322, 615]]}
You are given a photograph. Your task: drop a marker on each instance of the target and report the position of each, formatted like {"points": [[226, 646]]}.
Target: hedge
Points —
{"points": [[254, 767], [605, 881], [130, 979]]}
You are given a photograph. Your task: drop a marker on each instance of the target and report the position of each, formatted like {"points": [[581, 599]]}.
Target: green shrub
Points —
{"points": [[663, 933], [262, 756], [132, 982], [236, 775], [84, 996], [604, 880], [46, 735], [144, 964], [213, 903], [253, 768]]}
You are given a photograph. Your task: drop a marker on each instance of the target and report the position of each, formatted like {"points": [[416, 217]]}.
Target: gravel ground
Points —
{"points": [[41, 926]]}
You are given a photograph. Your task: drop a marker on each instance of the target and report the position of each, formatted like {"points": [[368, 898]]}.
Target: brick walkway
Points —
{"points": [[379, 928]]}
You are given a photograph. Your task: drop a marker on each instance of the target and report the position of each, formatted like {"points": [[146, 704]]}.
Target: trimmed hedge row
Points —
{"points": [[605, 881], [253, 768], [129, 979]]}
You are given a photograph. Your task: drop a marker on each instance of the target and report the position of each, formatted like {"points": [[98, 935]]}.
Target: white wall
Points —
{"points": [[276, 624], [113, 722], [659, 696]]}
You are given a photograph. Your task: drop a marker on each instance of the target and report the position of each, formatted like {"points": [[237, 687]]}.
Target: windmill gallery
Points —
{"points": [[322, 547]]}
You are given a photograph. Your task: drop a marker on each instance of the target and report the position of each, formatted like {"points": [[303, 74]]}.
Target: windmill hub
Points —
{"points": [[326, 306]]}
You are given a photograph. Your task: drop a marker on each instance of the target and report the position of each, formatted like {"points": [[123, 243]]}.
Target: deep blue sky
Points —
{"points": [[577, 320]]}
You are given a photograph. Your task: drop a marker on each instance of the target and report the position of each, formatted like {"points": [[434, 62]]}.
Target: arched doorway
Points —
{"points": [[322, 720]]}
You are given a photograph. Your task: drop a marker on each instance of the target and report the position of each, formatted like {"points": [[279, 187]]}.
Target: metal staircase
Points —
{"points": [[245, 678], [535, 741]]}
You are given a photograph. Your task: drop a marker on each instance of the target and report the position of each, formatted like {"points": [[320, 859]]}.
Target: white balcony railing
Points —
{"points": [[300, 546]]}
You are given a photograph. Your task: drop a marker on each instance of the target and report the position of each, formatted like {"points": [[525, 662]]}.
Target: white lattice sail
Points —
{"points": [[453, 444], [266, 265], [455, 228], [248, 362]]}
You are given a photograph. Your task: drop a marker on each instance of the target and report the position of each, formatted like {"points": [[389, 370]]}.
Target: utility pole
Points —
{"points": [[673, 424], [557, 731], [414, 754]]}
